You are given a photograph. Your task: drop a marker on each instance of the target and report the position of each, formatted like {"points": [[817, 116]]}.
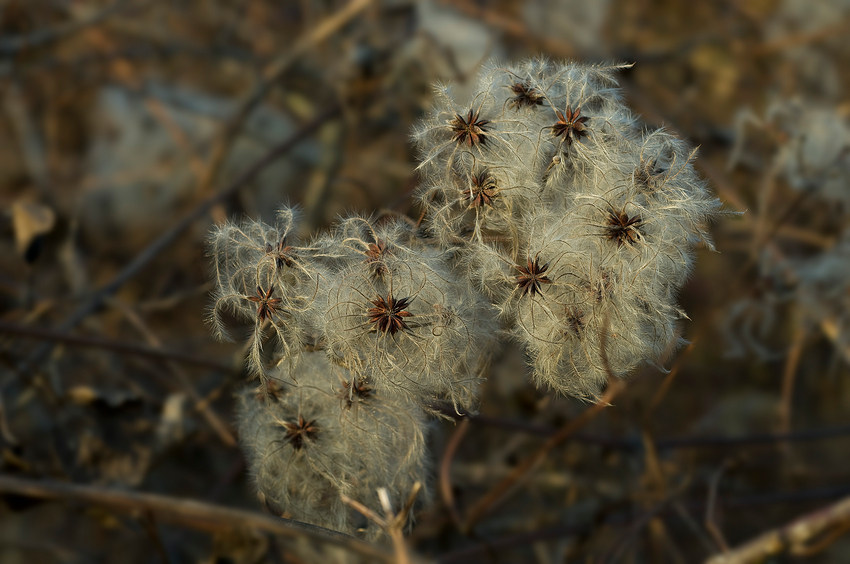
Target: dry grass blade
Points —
{"points": [[794, 537]]}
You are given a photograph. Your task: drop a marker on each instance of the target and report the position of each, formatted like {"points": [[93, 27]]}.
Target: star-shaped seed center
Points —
{"points": [[570, 125], [267, 306], [300, 430], [482, 190], [470, 130], [531, 277], [389, 314], [622, 228]]}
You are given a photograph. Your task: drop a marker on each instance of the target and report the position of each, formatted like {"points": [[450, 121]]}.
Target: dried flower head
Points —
{"points": [[389, 314], [622, 228], [482, 190], [531, 277], [570, 125], [470, 130], [298, 431], [308, 448], [525, 96], [377, 321], [419, 332], [271, 285]]}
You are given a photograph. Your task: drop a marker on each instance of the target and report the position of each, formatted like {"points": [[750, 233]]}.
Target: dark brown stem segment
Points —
{"points": [[189, 513], [445, 471], [30, 332]]}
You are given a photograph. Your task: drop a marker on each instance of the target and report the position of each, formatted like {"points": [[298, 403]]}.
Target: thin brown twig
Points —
{"points": [[395, 523], [391, 522], [668, 381], [618, 549], [710, 513], [188, 513], [671, 443], [501, 491], [29, 332], [445, 471], [685, 517], [792, 537], [514, 27], [5, 430], [402, 516], [809, 550], [507, 541], [148, 522], [789, 374], [667, 501], [271, 74]]}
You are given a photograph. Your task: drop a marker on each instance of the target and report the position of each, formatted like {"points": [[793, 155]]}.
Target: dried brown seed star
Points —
{"points": [[375, 254], [531, 277], [648, 174], [282, 253], [353, 392], [469, 131], [525, 95], [300, 430], [267, 306], [270, 391], [389, 314], [482, 190], [574, 321], [570, 125], [622, 228]]}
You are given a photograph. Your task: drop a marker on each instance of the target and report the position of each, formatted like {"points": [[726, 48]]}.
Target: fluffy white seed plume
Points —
{"points": [[577, 222], [551, 217], [261, 275], [398, 314], [315, 432]]}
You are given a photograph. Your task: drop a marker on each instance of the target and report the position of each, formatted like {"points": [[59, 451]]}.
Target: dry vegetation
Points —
{"points": [[131, 127]]}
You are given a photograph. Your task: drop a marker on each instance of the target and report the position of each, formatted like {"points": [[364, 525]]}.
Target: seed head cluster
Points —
{"points": [[551, 217], [322, 434], [586, 230]]}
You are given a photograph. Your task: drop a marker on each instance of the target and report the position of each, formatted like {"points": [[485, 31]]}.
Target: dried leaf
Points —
{"points": [[30, 220]]}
